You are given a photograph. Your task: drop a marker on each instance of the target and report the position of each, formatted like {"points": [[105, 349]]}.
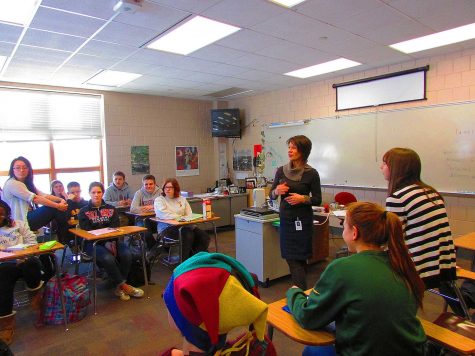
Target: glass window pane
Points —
{"points": [[83, 178], [42, 182], [77, 153], [36, 152]]}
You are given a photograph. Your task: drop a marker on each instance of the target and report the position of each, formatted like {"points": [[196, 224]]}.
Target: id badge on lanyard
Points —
{"points": [[298, 225]]}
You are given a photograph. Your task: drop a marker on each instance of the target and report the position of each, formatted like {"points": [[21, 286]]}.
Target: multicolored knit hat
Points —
{"points": [[210, 294]]}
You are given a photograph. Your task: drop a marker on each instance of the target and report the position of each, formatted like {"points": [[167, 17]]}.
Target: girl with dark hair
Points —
{"points": [[20, 193], [423, 215], [114, 256], [13, 232], [373, 295], [170, 205], [298, 185]]}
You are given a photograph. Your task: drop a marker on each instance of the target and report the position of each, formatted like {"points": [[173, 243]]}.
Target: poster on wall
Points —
{"points": [[187, 161], [242, 160], [140, 160]]}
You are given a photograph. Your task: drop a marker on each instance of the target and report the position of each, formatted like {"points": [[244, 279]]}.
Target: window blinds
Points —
{"points": [[36, 115]]}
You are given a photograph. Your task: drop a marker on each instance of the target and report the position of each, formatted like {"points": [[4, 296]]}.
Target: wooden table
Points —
{"points": [[181, 224], [285, 323], [120, 231], [35, 251], [466, 241]]}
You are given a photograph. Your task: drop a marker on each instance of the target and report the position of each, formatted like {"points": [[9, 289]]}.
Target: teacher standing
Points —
{"points": [[298, 185]]}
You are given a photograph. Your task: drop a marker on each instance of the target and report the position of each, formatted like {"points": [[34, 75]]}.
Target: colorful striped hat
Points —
{"points": [[210, 294]]}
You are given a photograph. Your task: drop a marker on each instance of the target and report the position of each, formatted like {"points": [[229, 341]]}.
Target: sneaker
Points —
{"points": [[121, 294], [131, 291]]}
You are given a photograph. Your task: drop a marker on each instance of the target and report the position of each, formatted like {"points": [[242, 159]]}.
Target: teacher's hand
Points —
{"points": [[294, 199], [281, 189]]}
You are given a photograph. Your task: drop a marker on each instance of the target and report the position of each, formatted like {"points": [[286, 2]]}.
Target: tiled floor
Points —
{"points": [[139, 326]]}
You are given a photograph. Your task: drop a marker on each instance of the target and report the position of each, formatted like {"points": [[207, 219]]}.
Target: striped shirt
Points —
{"points": [[427, 232]]}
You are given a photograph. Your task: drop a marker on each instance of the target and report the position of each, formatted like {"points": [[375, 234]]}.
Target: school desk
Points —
{"points": [[466, 241], [35, 251], [119, 232], [283, 321], [181, 224]]}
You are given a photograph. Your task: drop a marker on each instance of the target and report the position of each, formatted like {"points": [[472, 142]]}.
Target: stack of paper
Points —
{"points": [[17, 247], [103, 231]]}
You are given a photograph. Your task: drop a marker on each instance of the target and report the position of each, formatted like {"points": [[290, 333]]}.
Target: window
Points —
{"points": [[78, 160], [59, 133]]}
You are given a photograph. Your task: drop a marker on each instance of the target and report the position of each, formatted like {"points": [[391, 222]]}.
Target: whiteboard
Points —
{"points": [[348, 150]]}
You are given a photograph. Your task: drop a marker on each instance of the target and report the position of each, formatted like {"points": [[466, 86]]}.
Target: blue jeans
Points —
{"points": [[118, 267], [43, 215]]}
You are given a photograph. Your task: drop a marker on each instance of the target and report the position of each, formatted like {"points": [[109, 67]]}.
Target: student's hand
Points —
{"points": [[281, 189], [71, 196], [2, 248], [62, 206], [294, 199], [122, 203], [128, 201]]}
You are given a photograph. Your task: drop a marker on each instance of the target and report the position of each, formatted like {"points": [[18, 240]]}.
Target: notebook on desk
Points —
{"points": [[191, 217]]}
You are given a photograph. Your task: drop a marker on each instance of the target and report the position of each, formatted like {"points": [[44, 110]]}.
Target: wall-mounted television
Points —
{"points": [[225, 123]]}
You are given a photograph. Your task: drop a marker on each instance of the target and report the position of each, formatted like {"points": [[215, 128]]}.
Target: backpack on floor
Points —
{"points": [[136, 277], [76, 299]]}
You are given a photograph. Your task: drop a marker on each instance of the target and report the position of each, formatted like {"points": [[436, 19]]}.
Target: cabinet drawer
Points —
{"points": [[247, 225]]}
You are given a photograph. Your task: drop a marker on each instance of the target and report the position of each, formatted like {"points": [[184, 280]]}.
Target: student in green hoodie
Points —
{"points": [[372, 295]]}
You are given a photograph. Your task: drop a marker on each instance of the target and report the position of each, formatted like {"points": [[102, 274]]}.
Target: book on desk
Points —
{"points": [[191, 217]]}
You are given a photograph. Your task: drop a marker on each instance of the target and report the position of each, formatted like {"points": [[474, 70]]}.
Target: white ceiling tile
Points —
{"points": [[153, 16], [9, 33], [63, 22], [439, 15], [187, 5], [217, 53], [83, 60], [295, 53], [254, 61], [107, 50], [52, 40], [248, 40], [384, 25], [131, 65], [243, 13], [102, 9], [6, 48], [54, 57], [126, 34], [72, 75]]}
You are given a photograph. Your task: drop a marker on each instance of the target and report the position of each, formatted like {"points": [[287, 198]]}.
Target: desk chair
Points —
{"points": [[344, 198], [158, 253]]}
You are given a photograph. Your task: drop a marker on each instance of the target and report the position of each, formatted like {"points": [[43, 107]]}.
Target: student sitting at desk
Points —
{"points": [[21, 194], [143, 204], [13, 232], [114, 256], [118, 193], [373, 295], [171, 205], [57, 189]]}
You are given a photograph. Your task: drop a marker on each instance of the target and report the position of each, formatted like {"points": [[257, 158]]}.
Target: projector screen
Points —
{"points": [[391, 88]]}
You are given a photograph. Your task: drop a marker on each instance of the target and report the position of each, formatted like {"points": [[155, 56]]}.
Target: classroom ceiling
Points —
{"points": [[69, 41]]}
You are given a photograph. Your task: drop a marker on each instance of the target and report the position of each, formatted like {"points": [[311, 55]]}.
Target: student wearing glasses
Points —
{"points": [[21, 194], [171, 205]]}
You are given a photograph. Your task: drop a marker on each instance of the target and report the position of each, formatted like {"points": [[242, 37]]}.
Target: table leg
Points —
{"points": [[60, 289], [215, 236], [181, 243], [94, 291], [144, 265], [270, 331]]}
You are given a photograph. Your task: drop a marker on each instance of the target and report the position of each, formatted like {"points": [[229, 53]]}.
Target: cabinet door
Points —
{"points": [[274, 265], [249, 252], [221, 208]]}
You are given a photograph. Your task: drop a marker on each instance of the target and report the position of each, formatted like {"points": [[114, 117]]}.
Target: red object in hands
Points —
{"points": [[257, 150]]}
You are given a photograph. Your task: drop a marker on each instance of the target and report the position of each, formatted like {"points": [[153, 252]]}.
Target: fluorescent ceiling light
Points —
{"points": [[327, 67], [17, 12], [439, 39], [112, 78], [287, 3], [192, 35]]}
